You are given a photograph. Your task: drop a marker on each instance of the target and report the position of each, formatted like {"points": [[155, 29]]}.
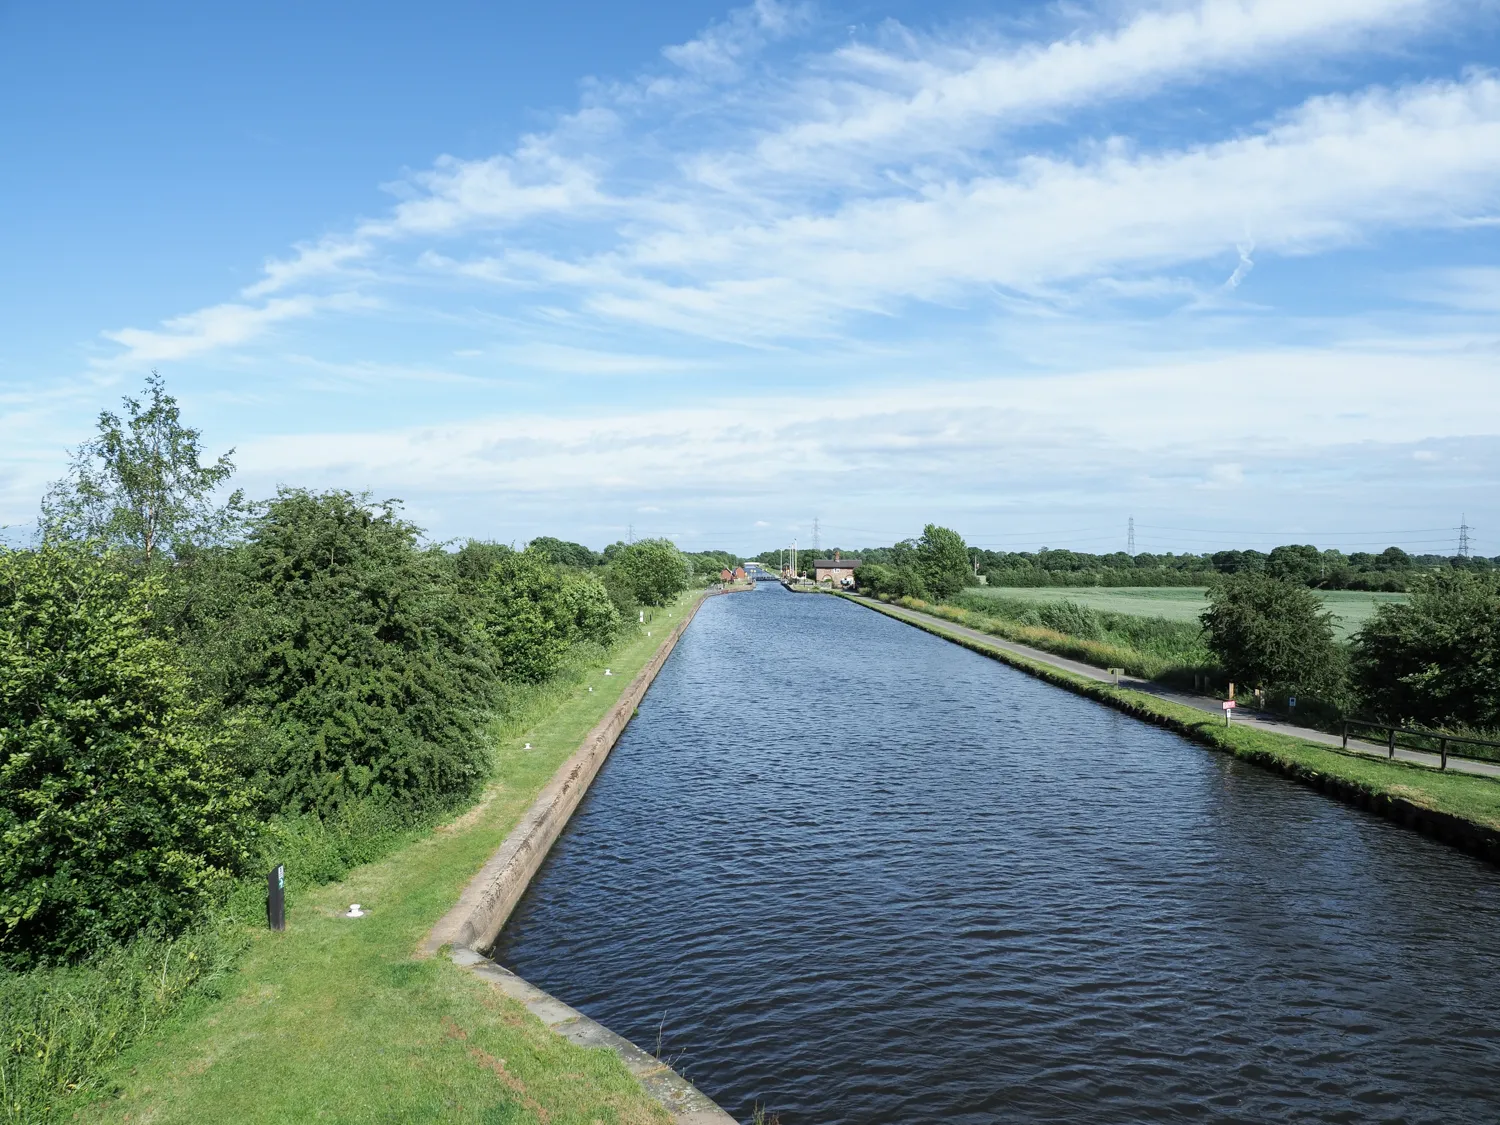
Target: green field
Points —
{"points": [[1181, 603]]}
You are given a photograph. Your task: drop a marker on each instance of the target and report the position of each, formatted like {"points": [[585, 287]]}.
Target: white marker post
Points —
{"points": [[1229, 706]]}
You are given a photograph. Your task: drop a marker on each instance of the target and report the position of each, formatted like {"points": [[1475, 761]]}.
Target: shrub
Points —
{"points": [[1273, 632], [1436, 660], [351, 657], [119, 810]]}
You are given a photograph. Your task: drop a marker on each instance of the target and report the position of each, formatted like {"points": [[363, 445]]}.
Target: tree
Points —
{"points": [[532, 611], [351, 656], [1296, 563], [943, 561], [563, 552], [140, 484], [1435, 660], [119, 807], [654, 570], [1274, 633]]}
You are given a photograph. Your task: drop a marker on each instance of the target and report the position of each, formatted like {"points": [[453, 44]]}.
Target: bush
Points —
{"points": [[1436, 660], [350, 656], [119, 810], [1273, 633], [532, 612]]}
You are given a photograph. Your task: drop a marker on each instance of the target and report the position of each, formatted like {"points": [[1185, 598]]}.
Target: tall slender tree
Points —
{"points": [[141, 485]]}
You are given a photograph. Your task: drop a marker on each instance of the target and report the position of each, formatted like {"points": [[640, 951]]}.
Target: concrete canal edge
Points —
{"points": [[475, 922], [1476, 838]]}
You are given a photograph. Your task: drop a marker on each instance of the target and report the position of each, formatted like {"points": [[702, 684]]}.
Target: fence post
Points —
{"points": [[1346, 734], [276, 897], [1391, 743], [1443, 749]]}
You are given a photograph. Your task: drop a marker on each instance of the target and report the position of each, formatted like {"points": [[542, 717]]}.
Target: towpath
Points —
{"points": [[1246, 717]]}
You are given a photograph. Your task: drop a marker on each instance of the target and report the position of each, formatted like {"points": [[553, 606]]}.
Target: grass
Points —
{"points": [[1416, 794], [1149, 647], [336, 1020], [1351, 608]]}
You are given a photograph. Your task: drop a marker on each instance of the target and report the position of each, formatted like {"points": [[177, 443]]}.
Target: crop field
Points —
{"points": [[1181, 603]]}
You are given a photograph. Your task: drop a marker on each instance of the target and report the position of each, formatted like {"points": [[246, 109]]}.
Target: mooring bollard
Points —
{"points": [[276, 897]]}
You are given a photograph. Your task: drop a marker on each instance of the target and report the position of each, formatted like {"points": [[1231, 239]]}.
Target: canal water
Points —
{"points": [[849, 872]]}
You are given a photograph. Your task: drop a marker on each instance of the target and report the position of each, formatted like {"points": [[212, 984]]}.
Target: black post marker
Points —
{"points": [[276, 897]]}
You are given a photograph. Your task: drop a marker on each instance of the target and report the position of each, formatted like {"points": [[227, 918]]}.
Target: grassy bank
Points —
{"points": [[335, 1020], [1149, 647], [1463, 809]]}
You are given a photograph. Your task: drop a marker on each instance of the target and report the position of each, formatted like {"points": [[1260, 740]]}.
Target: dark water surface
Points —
{"points": [[858, 874]]}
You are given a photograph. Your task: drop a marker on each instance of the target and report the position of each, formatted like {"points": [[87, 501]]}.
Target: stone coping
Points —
{"points": [[487, 901]]}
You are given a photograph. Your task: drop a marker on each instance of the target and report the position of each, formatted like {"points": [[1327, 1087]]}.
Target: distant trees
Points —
{"points": [[1435, 661], [564, 553], [1296, 563], [1272, 632], [933, 567]]}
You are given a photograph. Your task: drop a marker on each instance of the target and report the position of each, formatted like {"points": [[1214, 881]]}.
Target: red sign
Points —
{"points": [[1230, 705]]}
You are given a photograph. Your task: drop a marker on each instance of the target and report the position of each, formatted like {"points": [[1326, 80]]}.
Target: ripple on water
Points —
{"points": [[854, 873]]}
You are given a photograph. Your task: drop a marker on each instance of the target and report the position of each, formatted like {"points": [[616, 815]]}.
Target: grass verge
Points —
{"points": [[335, 1020], [1150, 648], [1461, 809]]}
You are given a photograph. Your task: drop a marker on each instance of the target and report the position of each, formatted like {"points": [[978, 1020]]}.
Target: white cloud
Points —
{"points": [[614, 215], [937, 438], [927, 96], [221, 326]]}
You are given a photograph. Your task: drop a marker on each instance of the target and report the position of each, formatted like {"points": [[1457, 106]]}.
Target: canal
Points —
{"points": [[850, 872]]}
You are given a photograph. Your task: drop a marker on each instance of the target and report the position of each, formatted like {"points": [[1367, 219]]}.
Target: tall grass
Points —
{"points": [[1152, 648], [63, 1026]]}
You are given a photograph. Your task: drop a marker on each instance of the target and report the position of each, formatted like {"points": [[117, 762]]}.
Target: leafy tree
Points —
{"points": [[1238, 562], [1392, 558], [942, 560], [119, 809], [562, 552], [1271, 632], [140, 483], [1435, 660], [349, 652], [531, 611], [1296, 563], [654, 570]]}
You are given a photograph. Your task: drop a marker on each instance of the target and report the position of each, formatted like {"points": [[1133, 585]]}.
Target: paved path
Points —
{"points": [[1205, 703]]}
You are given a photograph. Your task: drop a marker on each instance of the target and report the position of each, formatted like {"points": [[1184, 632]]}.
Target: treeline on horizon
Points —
{"points": [[1390, 570], [1432, 661]]}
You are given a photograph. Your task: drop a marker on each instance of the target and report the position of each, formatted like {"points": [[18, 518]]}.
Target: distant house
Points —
{"points": [[725, 576], [839, 571], [739, 574]]}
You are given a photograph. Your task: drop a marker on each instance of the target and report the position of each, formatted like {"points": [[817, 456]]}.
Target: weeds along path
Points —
{"points": [[335, 1020]]}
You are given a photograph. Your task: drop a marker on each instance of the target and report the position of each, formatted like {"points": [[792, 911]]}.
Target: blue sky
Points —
{"points": [[1226, 266]]}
